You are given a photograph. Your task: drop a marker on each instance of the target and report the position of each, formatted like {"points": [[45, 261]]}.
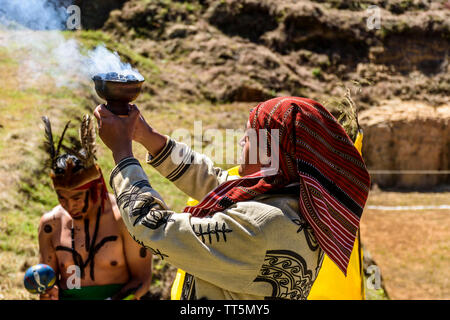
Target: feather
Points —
{"points": [[49, 144], [73, 152], [61, 138], [348, 113], [87, 138], [354, 109]]}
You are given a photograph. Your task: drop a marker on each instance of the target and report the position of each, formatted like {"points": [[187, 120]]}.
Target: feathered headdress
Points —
{"points": [[84, 150]]}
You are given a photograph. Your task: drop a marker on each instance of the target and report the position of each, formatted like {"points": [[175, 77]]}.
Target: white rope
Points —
{"points": [[406, 208]]}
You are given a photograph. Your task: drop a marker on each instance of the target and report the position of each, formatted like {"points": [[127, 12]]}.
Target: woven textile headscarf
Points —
{"points": [[316, 152]]}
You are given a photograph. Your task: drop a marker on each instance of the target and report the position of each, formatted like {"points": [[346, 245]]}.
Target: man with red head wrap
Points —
{"points": [[259, 236], [84, 238]]}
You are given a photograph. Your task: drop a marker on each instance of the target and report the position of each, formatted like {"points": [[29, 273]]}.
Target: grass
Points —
{"points": [[26, 193], [317, 72]]}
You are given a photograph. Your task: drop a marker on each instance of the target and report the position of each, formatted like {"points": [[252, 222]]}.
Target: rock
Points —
{"points": [[249, 19], [95, 13], [407, 136], [244, 49], [180, 31], [244, 92]]}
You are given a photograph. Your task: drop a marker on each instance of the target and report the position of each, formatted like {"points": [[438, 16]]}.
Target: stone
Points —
{"points": [[407, 144]]}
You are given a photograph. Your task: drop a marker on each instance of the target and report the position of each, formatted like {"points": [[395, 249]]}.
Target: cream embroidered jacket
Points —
{"points": [[252, 250]]}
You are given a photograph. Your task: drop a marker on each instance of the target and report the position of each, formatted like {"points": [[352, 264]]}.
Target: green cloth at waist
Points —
{"points": [[91, 292]]}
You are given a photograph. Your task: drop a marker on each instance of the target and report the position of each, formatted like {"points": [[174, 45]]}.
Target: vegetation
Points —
{"points": [[26, 188], [187, 62]]}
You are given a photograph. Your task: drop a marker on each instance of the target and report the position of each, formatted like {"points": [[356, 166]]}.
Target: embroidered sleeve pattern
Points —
{"points": [[190, 243], [139, 204], [191, 172]]}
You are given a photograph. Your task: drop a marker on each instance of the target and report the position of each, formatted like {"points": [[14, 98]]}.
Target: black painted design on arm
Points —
{"points": [[133, 194], [48, 228], [159, 253]]}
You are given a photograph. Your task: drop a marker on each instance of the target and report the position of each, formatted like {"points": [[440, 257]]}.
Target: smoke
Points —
{"points": [[33, 14], [101, 60], [31, 30]]}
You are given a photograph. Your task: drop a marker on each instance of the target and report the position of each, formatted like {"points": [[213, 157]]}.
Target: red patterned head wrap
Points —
{"points": [[93, 185], [316, 152]]}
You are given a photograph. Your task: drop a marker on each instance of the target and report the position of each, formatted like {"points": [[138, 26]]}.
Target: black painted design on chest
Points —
{"points": [[90, 246], [287, 273], [207, 232]]}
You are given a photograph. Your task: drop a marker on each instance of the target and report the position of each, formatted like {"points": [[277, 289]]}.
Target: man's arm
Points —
{"points": [[192, 172], [47, 253], [139, 262], [227, 243], [209, 247]]}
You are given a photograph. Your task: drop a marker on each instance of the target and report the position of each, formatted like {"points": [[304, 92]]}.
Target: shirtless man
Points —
{"points": [[84, 238]]}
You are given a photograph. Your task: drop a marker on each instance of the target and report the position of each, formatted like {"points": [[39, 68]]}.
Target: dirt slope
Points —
{"points": [[249, 50]]}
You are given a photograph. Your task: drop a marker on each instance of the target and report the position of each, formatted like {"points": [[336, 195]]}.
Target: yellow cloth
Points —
{"points": [[331, 284]]}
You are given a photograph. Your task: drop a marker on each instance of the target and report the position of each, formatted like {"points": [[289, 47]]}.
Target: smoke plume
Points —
{"points": [[32, 30]]}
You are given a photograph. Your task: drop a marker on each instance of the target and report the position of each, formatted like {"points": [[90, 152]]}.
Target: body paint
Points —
{"points": [[48, 228], [93, 248], [86, 202]]}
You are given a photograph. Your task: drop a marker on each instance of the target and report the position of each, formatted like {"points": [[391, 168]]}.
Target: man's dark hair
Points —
{"points": [[61, 163]]}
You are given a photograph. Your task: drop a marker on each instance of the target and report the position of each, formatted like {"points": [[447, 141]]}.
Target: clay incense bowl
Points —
{"points": [[117, 90]]}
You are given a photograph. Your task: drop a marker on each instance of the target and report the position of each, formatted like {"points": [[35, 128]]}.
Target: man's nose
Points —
{"points": [[71, 205]]}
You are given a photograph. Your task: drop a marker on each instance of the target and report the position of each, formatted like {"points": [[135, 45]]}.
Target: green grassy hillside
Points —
{"points": [[26, 192], [209, 61]]}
